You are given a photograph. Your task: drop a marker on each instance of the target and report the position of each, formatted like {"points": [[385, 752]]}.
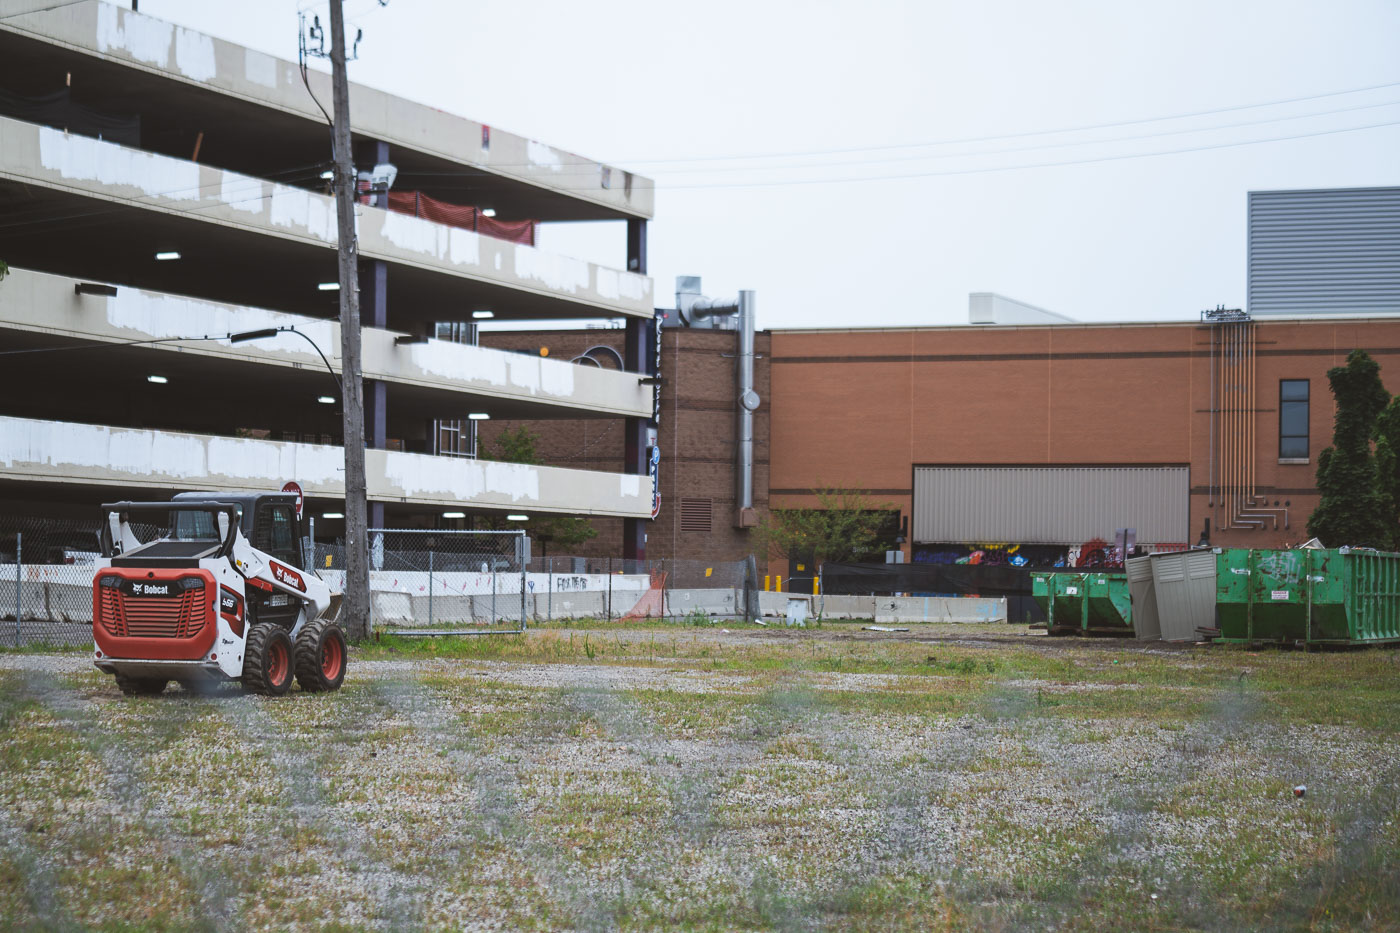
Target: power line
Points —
{"points": [[1022, 135], [111, 345], [1042, 146], [592, 169], [1009, 168]]}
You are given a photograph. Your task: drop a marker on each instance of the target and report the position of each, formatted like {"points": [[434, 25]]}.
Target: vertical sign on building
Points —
{"points": [[653, 429]]}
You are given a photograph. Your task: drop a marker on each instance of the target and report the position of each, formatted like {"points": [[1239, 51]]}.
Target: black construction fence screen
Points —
{"points": [[985, 580]]}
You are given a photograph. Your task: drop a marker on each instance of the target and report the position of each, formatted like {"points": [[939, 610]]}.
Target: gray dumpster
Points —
{"points": [[1185, 585], [1143, 594]]}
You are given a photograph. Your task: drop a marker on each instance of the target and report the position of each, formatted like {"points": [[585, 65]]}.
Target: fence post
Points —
{"points": [[523, 578], [493, 591], [430, 587], [549, 617], [609, 609], [19, 583]]}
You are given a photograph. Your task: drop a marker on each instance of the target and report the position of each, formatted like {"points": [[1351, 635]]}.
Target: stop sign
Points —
{"points": [[294, 488]]}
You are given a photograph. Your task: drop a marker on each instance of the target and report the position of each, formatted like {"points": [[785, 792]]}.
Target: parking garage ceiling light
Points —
{"points": [[327, 175], [454, 514], [332, 514], [479, 416], [326, 399], [517, 518], [167, 255], [329, 286], [488, 212], [158, 380], [483, 315]]}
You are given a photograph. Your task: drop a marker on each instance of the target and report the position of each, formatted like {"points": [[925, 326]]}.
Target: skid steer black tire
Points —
{"points": [[140, 686], [267, 660], [321, 656]]}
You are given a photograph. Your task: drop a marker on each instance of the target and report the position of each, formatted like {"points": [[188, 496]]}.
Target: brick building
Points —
{"points": [[1057, 434], [696, 434]]}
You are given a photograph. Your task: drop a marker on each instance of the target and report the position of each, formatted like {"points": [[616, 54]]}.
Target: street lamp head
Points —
{"points": [[253, 335]]}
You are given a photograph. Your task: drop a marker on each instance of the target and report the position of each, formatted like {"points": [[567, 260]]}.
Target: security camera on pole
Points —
{"points": [[355, 618]]}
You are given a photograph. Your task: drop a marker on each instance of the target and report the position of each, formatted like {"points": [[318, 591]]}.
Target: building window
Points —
{"points": [[1293, 419], [455, 437], [697, 515]]}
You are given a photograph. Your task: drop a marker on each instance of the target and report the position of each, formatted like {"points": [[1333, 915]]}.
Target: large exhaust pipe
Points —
{"points": [[748, 401], [695, 308]]}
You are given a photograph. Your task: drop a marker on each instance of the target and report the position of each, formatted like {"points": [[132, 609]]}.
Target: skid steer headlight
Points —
{"points": [[191, 583], [110, 583]]}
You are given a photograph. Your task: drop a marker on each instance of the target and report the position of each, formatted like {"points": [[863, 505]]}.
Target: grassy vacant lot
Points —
{"points": [[675, 777]]}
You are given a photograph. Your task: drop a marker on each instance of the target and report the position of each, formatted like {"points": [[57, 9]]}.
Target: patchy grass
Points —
{"points": [[678, 776]]}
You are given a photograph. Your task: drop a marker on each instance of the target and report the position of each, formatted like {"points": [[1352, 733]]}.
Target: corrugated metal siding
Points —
{"points": [[1049, 505], [1326, 251]]}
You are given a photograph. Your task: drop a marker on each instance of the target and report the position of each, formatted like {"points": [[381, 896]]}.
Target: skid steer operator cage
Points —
{"points": [[185, 529]]}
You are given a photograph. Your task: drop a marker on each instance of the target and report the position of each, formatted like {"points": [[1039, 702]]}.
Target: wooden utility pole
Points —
{"points": [[355, 615]]}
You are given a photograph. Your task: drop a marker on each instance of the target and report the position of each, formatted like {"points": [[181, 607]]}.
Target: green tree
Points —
{"points": [[1356, 506], [564, 532], [845, 525], [1387, 437]]}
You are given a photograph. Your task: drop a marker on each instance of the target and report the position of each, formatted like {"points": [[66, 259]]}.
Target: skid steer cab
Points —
{"points": [[211, 587]]}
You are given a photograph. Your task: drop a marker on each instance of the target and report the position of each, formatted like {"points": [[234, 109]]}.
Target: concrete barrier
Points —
{"points": [[938, 609], [717, 602], [846, 607]]}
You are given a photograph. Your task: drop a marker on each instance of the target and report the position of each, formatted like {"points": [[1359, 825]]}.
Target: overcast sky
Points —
{"points": [[817, 94]]}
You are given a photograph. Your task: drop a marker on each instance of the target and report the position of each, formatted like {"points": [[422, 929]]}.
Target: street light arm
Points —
{"points": [[288, 329]]}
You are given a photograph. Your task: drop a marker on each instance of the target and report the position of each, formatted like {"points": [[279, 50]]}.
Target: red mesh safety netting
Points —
{"points": [[652, 605], [465, 216]]}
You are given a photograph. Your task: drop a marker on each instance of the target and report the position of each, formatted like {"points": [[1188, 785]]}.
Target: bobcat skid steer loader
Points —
{"points": [[217, 591]]}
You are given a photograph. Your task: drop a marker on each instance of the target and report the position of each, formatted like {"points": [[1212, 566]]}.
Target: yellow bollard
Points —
{"points": [[767, 582], [780, 583], [814, 587]]}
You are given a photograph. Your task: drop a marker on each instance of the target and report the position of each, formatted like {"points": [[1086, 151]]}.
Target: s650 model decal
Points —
{"points": [[287, 576]]}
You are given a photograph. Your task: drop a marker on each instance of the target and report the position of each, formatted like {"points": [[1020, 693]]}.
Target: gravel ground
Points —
{"points": [[1002, 782]]}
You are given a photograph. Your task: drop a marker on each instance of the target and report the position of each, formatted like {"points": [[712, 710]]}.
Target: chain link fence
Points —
{"points": [[46, 568], [421, 580]]}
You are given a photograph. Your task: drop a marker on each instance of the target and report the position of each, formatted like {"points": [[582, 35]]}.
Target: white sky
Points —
{"points": [[642, 84]]}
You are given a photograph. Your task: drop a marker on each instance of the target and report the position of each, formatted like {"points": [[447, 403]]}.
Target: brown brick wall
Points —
{"points": [[861, 408], [696, 436]]}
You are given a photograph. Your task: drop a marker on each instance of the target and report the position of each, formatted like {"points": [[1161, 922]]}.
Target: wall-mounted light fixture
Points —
{"points": [[93, 288]]}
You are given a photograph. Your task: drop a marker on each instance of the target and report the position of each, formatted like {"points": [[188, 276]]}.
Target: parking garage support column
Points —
{"points": [[634, 530], [374, 312]]}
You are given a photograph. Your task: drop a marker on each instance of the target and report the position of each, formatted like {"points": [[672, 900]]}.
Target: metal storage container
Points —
{"points": [[1185, 585], [1312, 597], [1107, 606], [1143, 595], [1091, 602]]}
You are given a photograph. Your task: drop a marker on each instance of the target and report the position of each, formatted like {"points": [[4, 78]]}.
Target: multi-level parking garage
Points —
{"points": [[163, 189]]}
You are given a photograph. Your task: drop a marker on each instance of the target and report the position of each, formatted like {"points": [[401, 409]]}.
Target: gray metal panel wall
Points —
{"points": [[1324, 251], [1049, 505], [1185, 585]]}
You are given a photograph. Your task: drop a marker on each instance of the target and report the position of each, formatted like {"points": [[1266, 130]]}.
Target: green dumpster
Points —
{"points": [[1108, 604], [1336, 596], [1086, 602]]}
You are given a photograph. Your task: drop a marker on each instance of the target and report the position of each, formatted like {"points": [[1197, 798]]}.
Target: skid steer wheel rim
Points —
{"points": [[332, 657], [278, 663]]}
